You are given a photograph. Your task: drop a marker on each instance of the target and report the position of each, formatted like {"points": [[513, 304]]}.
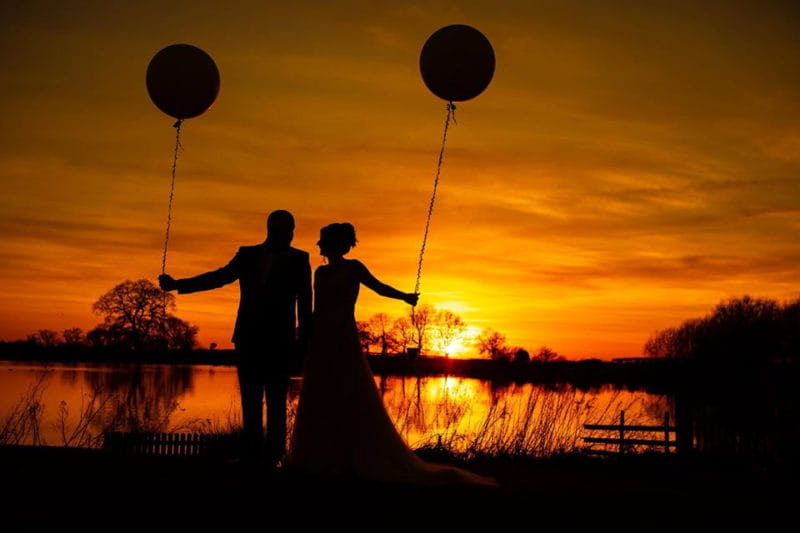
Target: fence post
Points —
{"points": [[666, 432], [621, 432]]}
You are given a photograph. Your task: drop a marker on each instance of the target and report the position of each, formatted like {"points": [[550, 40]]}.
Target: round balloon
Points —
{"points": [[182, 80], [457, 63]]}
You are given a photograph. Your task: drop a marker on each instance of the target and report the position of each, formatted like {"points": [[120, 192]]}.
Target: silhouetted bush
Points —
{"points": [[521, 356]]}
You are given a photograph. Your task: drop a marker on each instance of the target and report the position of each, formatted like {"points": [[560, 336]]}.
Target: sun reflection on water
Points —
{"points": [[468, 416]]}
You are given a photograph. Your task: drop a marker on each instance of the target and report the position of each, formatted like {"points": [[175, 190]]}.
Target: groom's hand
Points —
{"points": [[167, 282]]}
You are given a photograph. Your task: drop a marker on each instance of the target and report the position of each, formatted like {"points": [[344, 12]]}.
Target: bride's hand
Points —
{"points": [[411, 299]]}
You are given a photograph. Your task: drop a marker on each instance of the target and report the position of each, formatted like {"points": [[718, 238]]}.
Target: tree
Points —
{"points": [[674, 342], [547, 355], [381, 332], [98, 337], [179, 335], [493, 344], [741, 330], [521, 356], [73, 336], [403, 333], [46, 338], [450, 326], [791, 330], [364, 335], [421, 318], [136, 316]]}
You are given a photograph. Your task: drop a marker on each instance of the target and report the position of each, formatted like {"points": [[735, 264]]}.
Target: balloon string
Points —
{"points": [[178, 146], [451, 115]]}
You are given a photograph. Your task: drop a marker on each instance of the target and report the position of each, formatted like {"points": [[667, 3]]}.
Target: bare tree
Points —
{"points": [[45, 337], [365, 335], [73, 336], [421, 318], [449, 326], [381, 330], [403, 333], [493, 344], [547, 355]]}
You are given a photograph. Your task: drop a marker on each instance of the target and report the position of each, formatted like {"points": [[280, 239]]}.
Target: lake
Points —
{"points": [[72, 404]]}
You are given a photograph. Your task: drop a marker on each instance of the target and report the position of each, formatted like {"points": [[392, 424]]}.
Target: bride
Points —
{"points": [[342, 427]]}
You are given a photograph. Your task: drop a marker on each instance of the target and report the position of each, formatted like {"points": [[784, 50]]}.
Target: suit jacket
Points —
{"points": [[273, 281]]}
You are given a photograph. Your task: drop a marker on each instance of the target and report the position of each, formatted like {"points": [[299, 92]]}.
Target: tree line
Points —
{"points": [[743, 331], [138, 315], [429, 330]]}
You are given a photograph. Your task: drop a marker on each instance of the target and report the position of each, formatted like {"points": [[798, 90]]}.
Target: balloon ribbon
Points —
{"points": [[451, 115], [178, 146]]}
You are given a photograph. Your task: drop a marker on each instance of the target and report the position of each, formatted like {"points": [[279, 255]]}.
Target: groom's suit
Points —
{"points": [[273, 281]]}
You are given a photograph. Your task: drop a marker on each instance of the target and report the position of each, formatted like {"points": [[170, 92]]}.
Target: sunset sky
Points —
{"points": [[631, 164]]}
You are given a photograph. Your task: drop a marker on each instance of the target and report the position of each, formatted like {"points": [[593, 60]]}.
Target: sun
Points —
{"points": [[463, 346]]}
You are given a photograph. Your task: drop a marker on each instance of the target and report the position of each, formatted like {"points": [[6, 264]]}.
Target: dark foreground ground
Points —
{"points": [[58, 489]]}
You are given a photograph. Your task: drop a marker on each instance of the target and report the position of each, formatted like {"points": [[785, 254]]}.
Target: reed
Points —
{"points": [[22, 424], [84, 432], [537, 423], [519, 420]]}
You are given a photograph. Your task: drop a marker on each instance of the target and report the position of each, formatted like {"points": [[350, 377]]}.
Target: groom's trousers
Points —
{"points": [[263, 373]]}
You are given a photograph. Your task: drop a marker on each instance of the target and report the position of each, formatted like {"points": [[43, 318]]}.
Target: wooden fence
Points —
{"points": [[625, 444], [172, 444]]}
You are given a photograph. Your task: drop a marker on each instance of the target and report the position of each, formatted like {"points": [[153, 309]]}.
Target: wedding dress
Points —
{"points": [[342, 426]]}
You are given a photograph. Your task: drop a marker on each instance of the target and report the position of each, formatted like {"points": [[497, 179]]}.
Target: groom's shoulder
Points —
{"points": [[244, 250], [302, 254]]}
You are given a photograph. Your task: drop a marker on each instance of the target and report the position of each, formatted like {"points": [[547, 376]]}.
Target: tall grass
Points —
{"points": [[99, 412], [516, 421], [544, 423], [229, 423], [22, 424], [83, 432]]}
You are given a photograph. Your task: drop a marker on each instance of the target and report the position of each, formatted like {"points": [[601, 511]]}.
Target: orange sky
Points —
{"points": [[627, 168]]}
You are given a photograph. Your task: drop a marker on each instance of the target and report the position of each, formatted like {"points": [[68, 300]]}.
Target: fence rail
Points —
{"points": [[171, 444], [624, 443]]}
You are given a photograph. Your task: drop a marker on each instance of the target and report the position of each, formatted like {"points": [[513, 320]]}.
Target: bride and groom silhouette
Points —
{"points": [[342, 426]]}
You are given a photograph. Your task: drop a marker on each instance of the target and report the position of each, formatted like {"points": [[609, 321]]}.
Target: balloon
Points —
{"points": [[182, 80], [457, 63]]}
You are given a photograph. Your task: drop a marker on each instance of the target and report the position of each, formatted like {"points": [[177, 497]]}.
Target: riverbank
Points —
{"points": [[654, 375], [93, 489]]}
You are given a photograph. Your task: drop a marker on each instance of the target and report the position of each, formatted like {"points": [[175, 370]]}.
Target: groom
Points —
{"points": [[274, 278]]}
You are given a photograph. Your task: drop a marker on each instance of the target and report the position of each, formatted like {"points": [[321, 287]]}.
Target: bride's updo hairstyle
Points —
{"points": [[337, 238]]}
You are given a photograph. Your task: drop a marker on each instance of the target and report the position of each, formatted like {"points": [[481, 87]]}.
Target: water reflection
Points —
{"points": [[139, 398], [471, 416], [480, 417]]}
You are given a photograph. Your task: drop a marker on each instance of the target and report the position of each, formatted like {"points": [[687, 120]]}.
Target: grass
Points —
{"points": [[99, 411], [518, 421], [22, 424], [544, 424]]}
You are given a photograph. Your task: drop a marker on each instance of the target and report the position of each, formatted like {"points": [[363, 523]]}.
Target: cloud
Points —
{"points": [[625, 168]]}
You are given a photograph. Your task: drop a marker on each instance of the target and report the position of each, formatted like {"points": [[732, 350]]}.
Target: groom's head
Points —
{"points": [[280, 227]]}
